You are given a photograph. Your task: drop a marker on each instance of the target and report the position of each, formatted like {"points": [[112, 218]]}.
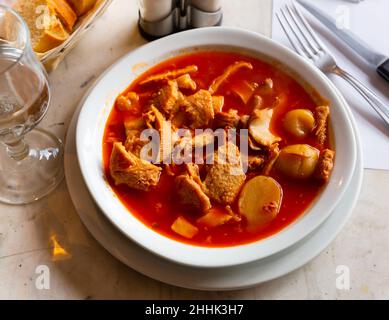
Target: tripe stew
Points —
{"points": [[241, 196]]}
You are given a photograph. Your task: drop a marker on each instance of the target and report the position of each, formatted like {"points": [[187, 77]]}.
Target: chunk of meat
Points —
{"points": [[225, 176], [178, 119], [168, 136], [194, 172], [154, 118], [126, 168], [133, 142], [184, 228], [186, 82], [189, 146], [168, 75], [191, 193], [128, 102], [321, 116], [167, 99], [131, 124], [324, 165], [255, 163], [230, 70], [199, 109], [218, 103], [259, 127], [228, 119], [203, 139], [149, 117]]}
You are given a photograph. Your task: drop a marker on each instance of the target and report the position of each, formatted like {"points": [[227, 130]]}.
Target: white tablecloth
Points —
{"points": [[368, 19]]}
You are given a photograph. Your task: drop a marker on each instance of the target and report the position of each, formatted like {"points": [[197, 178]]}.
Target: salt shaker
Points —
{"points": [[158, 18], [155, 10]]}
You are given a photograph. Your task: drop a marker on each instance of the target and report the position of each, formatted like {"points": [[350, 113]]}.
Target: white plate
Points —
{"points": [[228, 278], [96, 108]]}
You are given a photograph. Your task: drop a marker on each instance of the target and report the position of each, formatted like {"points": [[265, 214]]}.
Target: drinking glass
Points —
{"points": [[30, 160]]}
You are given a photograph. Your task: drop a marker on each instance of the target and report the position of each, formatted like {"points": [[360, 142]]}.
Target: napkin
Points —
{"points": [[369, 20]]}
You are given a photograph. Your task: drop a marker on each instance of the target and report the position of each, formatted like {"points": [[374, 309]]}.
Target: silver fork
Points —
{"points": [[307, 44]]}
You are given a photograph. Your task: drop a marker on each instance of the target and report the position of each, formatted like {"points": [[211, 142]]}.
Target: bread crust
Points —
{"points": [[82, 6], [64, 12], [46, 29]]}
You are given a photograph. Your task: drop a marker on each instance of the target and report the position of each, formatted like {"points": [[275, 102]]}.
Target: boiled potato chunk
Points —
{"points": [[299, 122], [214, 218], [184, 228], [298, 161], [260, 201]]}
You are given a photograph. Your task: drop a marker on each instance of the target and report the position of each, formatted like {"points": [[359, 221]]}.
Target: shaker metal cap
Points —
{"points": [[159, 18]]}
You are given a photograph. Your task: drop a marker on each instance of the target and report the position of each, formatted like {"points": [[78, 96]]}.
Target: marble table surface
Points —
{"points": [[28, 234]]}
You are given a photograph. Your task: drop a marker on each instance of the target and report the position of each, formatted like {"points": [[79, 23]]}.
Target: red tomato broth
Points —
{"points": [[159, 208]]}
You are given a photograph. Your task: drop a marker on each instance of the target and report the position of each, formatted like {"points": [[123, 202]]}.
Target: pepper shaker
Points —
{"points": [[159, 18], [205, 13]]}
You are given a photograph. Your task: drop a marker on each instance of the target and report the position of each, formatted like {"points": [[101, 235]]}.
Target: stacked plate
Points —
{"points": [[179, 264]]}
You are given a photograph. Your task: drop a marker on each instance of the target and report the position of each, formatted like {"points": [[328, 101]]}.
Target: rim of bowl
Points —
{"points": [[213, 257]]}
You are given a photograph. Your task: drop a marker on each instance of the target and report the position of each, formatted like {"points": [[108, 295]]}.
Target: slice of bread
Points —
{"points": [[64, 12], [52, 37], [82, 6], [46, 29]]}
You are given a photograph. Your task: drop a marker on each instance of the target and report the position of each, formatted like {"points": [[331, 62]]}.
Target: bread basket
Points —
{"points": [[53, 57]]}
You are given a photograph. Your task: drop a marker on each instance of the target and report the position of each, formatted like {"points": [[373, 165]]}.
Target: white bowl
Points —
{"points": [[97, 106]]}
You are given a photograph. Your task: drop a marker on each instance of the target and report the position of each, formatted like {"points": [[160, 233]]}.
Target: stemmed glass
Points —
{"points": [[30, 160]]}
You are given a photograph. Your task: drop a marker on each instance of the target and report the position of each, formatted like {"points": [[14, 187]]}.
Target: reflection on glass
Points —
{"points": [[30, 161]]}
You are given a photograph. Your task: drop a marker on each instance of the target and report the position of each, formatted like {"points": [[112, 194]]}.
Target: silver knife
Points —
{"points": [[378, 60]]}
